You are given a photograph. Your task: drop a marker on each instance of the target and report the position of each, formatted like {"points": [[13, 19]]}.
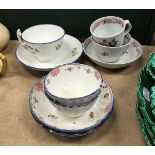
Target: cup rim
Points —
{"points": [[99, 87], [91, 31], [109, 47], [43, 42]]}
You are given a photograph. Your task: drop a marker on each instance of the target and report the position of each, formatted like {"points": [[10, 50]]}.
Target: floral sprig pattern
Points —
{"points": [[104, 54], [111, 43], [57, 47], [52, 116], [69, 69], [39, 86], [91, 115], [74, 51], [33, 50], [136, 46], [55, 72]]}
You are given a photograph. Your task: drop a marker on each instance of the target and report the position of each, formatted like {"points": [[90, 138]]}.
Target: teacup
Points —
{"points": [[44, 41], [72, 111], [111, 54], [3, 64], [110, 30], [73, 84]]}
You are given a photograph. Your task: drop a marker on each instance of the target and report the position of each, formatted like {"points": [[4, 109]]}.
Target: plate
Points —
{"points": [[61, 133], [69, 134], [48, 115], [133, 53], [70, 51]]}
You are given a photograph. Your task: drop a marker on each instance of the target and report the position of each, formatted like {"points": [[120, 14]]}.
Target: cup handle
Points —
{"points": [[19, 36], [4, 64], [128, 26]]}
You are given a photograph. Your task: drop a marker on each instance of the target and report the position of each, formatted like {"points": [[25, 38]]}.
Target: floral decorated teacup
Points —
{"points": [[111, 54], [73, 84], [44, 41], [110, 31]]}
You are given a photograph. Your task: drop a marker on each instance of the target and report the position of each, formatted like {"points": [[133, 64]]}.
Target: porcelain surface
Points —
{"points": [[110, 30], [79, 84], [63, 134], [44, 41], [111, 54], [71, 134], [72, 111], [48, 115], [70, 51], [133, 53]]}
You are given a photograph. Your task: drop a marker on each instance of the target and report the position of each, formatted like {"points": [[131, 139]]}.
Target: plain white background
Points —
{"points": [[77, 4]]}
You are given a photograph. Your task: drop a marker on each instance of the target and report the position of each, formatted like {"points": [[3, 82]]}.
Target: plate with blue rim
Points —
{"points": [[64, 134], [47, 115], [70, 52]]}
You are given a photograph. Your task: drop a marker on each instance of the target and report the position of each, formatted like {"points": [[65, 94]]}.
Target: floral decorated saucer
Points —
{"points": [[68, 52], [71, 134], [133, 53], [47, 115]]}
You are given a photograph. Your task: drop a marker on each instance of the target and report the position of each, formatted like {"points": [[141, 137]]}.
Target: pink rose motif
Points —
{"points": [[39, 86], [78, 66], [107, 108], [55, 72], [97, 75]]}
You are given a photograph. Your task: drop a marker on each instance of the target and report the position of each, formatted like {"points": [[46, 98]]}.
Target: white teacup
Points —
{"points": [[111, 54], [110, 30], [44, 41]]}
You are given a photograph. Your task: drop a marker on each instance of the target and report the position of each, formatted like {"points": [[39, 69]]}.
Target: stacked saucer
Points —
{"points": [[111, 45], [145, 107], [44, 47], [72, 100]]}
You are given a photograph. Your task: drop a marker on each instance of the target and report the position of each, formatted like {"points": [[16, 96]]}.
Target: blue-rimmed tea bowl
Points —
{"points": [[73, 84], [72, 111]]}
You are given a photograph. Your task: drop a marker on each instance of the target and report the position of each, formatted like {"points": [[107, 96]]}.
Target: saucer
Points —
{"points": [[61, 133], [70, 134], [70, 51], [47, 114], [133, 53]]}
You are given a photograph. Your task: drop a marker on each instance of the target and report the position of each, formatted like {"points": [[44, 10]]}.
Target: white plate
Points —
{"points": [[48, 115], [134, 52], [70, 51]]}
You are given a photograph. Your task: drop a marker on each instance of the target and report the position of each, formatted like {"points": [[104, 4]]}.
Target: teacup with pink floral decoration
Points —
{"points": [[110, 30], [73, 84]]}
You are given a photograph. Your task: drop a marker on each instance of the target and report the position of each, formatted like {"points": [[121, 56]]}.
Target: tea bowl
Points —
{"points": [[110, 30], [43, 41], [73, 84], [72, 111], [111, 54]]}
